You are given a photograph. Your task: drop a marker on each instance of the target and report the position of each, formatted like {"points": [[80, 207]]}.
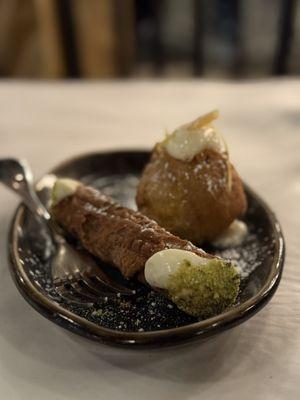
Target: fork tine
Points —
{"points": [[99, 282], [70, 297], [81, 289], [72, 287], [115, 288], [98, 276], [85, 287], [95, 288], [83, 275]]}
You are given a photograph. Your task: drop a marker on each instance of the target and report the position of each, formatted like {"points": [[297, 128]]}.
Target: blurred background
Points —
{"points": [[91, 39]]}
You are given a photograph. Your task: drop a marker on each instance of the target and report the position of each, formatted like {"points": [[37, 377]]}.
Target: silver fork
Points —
{"points": [[76, 276]]}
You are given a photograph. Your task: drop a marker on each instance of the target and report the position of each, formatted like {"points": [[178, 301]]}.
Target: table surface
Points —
{"points": [[48, 122]]}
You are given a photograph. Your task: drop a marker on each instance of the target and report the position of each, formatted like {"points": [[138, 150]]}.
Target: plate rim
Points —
{"points": [[201, 329]]}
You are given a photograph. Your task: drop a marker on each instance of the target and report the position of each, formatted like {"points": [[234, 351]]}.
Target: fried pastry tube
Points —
{"points": [[118, 235], [198, 283]]}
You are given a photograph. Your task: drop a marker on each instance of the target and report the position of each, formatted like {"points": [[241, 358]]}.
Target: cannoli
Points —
{"points": [[195, 281]]}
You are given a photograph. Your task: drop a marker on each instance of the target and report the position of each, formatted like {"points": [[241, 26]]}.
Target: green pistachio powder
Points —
{"points": [[206, 290]]}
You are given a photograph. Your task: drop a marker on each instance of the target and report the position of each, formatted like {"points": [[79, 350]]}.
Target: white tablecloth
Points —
{"points": [[48, 122]]}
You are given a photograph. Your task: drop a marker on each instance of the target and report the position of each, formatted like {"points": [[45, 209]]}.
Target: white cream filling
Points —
{"points": [[163, 264], [190, 139], [233, 236], [62, 188]]}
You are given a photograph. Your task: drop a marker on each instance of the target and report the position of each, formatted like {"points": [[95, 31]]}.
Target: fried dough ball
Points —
{"points": [[193, 195]]}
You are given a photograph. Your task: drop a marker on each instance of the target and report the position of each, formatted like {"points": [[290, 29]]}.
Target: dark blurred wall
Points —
{"points": [[141, 38]]}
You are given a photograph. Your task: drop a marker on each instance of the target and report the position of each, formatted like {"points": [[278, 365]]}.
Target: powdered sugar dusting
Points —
{"points": [[248, 256], [214, 175]]}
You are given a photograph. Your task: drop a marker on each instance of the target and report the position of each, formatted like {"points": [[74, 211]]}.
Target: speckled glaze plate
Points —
{"points": [[149, 319]]}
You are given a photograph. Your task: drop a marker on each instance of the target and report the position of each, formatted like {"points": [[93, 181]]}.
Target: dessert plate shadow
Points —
{"points": [[149, 319]]}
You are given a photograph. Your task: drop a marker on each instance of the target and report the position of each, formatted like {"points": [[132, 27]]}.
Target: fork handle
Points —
{"points": [[17, 176]]}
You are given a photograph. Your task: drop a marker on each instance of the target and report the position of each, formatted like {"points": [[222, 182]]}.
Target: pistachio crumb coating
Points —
{"points": [[206, 290]]}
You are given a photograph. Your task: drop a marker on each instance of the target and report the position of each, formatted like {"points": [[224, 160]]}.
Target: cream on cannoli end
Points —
{"points": [[198, 286], [63, 187]]}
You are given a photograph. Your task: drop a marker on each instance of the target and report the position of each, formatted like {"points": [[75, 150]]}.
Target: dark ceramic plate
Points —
{"points": [[149, 319]]}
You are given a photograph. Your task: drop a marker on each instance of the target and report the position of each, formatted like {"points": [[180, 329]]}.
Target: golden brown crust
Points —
{"points": [[120, 236], [191, 199]]}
